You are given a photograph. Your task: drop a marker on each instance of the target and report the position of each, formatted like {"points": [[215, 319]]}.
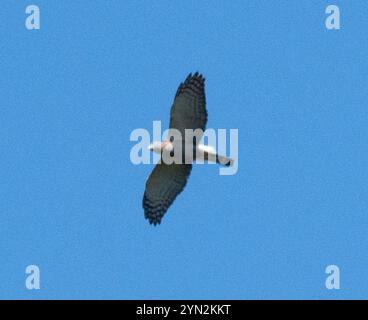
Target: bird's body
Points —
{"points": [[201, 153], [169, 178]]}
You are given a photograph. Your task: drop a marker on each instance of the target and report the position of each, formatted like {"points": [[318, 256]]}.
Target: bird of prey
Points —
{"points": [[168, 180]]}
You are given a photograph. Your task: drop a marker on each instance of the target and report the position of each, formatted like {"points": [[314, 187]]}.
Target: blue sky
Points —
{"points": [[70, 199]]}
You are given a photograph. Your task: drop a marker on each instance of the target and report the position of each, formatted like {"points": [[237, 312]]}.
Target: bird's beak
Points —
{"points": [[150, 147]]}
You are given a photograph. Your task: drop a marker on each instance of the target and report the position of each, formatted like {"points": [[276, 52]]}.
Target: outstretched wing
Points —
{"points": [[189, 108], [162, 187]]}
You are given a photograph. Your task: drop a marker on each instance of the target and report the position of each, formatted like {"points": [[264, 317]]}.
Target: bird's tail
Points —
{"points": [[210, 154], [225, 161]]}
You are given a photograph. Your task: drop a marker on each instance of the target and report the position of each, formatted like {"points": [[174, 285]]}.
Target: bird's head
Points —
{"points": [[159, 147]]}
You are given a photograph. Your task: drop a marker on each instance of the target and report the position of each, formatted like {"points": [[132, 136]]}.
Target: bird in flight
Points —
{"points": [[167, 180]]}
